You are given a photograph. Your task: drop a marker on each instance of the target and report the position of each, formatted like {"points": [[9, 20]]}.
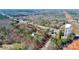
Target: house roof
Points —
{"points": [[68, 25]]}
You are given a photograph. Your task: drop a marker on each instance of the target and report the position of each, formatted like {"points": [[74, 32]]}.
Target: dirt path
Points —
{"points": [[48, 46]]}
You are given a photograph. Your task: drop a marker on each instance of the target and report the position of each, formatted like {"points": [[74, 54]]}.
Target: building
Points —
{"points": [[58, 34], [53, 34], [68, 29]]}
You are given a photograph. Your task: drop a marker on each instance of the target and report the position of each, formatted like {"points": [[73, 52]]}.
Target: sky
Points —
{"points": [[39, 4]]}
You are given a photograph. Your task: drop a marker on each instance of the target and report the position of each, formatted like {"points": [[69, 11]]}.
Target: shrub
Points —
{"points": [[57, 42], [64, 40], [19, 46]]}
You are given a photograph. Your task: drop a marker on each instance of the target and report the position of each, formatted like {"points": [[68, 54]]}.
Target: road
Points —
{"points": [[47, 45]]}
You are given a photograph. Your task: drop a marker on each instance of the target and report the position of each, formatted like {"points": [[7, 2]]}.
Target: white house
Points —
{"points": [[68, 29]]}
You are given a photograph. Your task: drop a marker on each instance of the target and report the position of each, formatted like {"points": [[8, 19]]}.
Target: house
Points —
{"points": [[68, 29]]}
